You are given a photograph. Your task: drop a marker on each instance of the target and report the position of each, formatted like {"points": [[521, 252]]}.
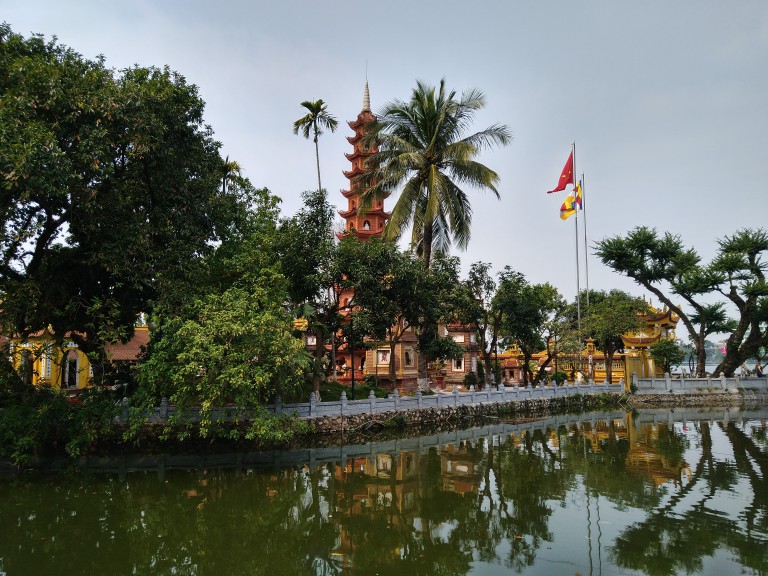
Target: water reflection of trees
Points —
{"points": [[435, 511], [670, 541]]}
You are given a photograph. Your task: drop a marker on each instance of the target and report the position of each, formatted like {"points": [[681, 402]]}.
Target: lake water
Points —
{"points": [[648, 492]]}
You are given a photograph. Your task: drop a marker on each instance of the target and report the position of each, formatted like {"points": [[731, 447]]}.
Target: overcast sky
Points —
{"points": [[667, 102]]}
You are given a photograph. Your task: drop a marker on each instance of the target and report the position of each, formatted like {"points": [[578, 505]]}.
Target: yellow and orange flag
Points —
{"points": [[572, 203]]}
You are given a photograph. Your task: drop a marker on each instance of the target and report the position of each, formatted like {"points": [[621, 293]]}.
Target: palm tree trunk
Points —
{"points": [[317, 156]]}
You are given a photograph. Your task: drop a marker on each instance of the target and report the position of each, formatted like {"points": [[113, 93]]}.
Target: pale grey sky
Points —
{"points": [[666, 101]]}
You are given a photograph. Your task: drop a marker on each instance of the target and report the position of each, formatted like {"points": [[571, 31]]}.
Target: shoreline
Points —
{"points": [[338, 431]]}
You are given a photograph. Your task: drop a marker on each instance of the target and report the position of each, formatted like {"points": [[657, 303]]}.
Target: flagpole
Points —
{"points": [[586, 246], [578, 288]]}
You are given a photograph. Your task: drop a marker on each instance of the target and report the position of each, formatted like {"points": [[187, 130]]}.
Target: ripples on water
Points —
{"points": [[650, 492]]}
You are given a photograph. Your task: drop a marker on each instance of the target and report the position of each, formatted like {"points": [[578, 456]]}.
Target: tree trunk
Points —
{"points": [[698, 341], [609, 352], [317, 156], [319, 374], [392, 372]]}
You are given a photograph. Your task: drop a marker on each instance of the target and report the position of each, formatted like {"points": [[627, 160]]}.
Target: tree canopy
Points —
{"points": [[669, 270], [611, 314], [112, 190], [423, 148], [313, 123]]}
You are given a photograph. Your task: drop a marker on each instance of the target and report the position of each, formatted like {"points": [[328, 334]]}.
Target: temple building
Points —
{"points": [[636, 357], [358, 364], [43, 360]]}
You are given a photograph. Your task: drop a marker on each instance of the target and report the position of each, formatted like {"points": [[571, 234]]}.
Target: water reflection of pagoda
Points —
{"points": [[392, 485], [646, 459]]}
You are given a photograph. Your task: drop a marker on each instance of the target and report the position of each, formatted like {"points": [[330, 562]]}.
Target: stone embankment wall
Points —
{"points": [[734, 398], [684, 385], [438, 417]]}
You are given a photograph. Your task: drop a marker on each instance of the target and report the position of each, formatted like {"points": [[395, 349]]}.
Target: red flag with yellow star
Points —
{"points": [[566, 177]]}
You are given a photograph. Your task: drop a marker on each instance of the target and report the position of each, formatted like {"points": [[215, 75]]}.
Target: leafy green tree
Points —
{"points": [[666, 353], [231, 342], [741, 262], [484, 305], [391, 290], [316, 120], [663, 266], [611, 314], [307, 252], [532, 317], [444, 304], [111, 192], [422, 147]]}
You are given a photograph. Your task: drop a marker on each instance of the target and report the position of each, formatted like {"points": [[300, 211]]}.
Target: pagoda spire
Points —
{"points": [[366, 99]]}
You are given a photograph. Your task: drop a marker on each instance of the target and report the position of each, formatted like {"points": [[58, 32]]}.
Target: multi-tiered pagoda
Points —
{"points": [[371, 223], [370, 361]]}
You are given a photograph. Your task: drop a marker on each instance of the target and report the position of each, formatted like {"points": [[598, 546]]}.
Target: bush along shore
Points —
{"points": [[35, 437], [92, 427]]}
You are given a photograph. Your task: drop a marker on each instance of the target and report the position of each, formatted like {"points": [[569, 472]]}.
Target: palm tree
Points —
{"points": [[314, 122], [422, 148]]}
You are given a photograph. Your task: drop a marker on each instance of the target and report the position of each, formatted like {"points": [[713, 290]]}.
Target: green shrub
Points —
{"points": [[470, 379]]}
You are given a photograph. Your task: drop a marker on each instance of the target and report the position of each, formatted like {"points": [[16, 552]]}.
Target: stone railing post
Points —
{"points": [[164, 409], [667, 381], [418, 399], [312, 404], [455, 394], [635, 381], [396, 396], [723, 382], [278, 405], [472, 392], [343, 402], [372, 400]]}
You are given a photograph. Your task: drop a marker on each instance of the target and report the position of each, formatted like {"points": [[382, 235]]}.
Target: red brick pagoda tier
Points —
{"points": [[375, 218]]}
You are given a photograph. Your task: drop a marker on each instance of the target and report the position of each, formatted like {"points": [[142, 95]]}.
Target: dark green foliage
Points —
{"points": [[470, 379], [609, 315], [230, 342], [46, 423], [331, 391], [667, 354], [392, 292], [112, 191], [423, 148], [307, 256], [672, 272]]}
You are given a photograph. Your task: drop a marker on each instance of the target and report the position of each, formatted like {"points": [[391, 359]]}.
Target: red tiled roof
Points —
{"points": [[131, 350]]}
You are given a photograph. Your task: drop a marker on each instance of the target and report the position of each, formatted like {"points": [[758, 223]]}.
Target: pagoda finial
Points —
{"points": [[366, 99]]}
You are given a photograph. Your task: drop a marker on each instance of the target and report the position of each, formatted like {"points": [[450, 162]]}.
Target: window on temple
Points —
{"points": [[27, 367], [458, 365], [70, 370], [366, 225]]}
